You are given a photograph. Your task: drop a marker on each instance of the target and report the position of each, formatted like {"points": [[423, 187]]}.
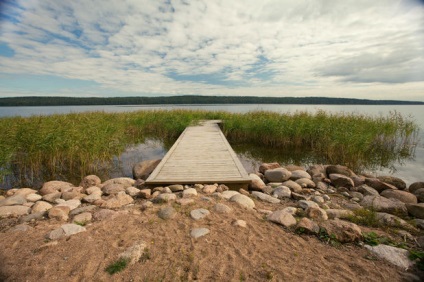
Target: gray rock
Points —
{"points": [[143, 169], [316, 169], [199, 214], [307, 204], [416, 210], [293, 186], [199, 232], [403, 196], [83, 217], [415, 186], [316, 213], [343, 231], [393, 221], [243, 201], [340, 180], [396, 256], [358, 180], [318, 199], [72, 229], [164, 198], [125, 181], [277, 175], [283, 218], [378, 185], [13, 201], [55, 186], [79, 210], [167, 190], [21, 228], [40, 206], [240, 223], [103, 214], [419, 193], [33, 197], [134, 253], [72, 204], [56, 234], [305, 183], [119, 200], [256, 183], [90, 181], [381, 204], [176, 188], [326, 197], [265, 197], [189, 193], [14, 211], [307, 226], [338, 213], [367, 191], [221, 208], [298, 174], [281, 192], [73, 194], [228, 194], [299, 197], [113, 188], [357, 195], [146, 205], [167, 213], [290, 210], [33, 216], [392, 180]]}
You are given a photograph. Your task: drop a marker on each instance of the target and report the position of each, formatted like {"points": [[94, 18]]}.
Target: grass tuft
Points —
{"points": [[117, 266]]}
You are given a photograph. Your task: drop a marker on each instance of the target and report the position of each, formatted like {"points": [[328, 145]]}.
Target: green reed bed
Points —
{"points": [[56, 146]]}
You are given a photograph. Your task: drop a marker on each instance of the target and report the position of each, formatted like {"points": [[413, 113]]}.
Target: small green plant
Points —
{"points": [[117, 266], [328, 238], [242, 277], [417, 256], [81, 223], [146, 255], [365, 217], [373, 239]]}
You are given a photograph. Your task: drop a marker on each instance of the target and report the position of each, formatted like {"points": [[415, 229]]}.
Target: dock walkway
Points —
{"points": [[201, 155]]}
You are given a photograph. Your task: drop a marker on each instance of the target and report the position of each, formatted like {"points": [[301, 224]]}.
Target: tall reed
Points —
{"points": [[57, 146]]}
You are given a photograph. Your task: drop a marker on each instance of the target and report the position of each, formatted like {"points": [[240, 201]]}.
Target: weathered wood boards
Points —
{"points": [[201, 154]]}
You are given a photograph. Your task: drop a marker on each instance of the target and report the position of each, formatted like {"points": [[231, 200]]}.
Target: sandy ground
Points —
{"points": [[261, 252]]}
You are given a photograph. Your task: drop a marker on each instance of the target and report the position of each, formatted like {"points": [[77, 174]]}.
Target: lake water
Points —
{"points": [[409, 170]]}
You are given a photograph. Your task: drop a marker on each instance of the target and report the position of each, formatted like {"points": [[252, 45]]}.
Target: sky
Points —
{"points": [[313, 48]]}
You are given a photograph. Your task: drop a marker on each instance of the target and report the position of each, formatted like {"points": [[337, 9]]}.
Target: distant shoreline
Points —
{"points": [[190, 100]]}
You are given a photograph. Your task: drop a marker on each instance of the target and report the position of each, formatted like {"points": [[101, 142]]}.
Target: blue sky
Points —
{"points": [[353, 49]]}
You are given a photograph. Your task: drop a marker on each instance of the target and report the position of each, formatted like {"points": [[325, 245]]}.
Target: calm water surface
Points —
{"points": [[409, 170]]}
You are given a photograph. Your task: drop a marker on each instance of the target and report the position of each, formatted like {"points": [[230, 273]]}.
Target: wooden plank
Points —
{"points": [[201, 154]]}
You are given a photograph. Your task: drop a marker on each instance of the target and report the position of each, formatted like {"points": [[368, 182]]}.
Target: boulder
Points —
{"points": [[55, 186], [298, 174], [40, 206], [305, 183], [382, 204], [283, 218], [416, 210], [266, 166], [167, 213], [33, 197], [281, 192], [265, 197], [242, 200], [316, 213], [415, 186], [340, 180], [73, 194], [400, 195], [143, 169], [90, 181], [59, 213], [339, 169], [378, 185], [339, 213], [119, 200], [71, 229], [396, 256], [318, 199], [13, 201], [199, 214], [367, 191], [293, 186], [420, 195], [342, 231], [113, 188], [307, 226], [256, 183], [277, 175], [14, 211], [125, 181], [392, 180], [184, 201], [24, 192]]}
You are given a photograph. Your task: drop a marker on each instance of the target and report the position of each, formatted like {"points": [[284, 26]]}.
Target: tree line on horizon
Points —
{"points": [[89, 101]]}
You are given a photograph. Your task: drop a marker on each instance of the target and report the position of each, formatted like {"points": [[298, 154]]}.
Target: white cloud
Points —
{"points": [[302, 48]]}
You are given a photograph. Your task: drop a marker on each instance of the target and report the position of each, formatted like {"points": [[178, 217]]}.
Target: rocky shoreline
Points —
{"points": [[330, 202]]}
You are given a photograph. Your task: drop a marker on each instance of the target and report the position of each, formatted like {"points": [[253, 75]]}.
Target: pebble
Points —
{"points": [[199, 232], [199, 214]]}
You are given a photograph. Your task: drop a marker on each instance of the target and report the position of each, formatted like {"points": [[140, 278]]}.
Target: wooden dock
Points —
{"points": [[201, 155]]}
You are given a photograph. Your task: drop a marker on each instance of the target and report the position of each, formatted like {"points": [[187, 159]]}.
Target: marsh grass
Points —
{"points": [[73, 145]]}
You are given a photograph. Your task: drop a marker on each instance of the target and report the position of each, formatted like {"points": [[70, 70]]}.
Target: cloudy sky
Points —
{"points": [[333, 48]]}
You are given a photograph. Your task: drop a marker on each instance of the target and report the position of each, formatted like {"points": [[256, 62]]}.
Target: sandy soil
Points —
{"points": [[261, 252]]}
